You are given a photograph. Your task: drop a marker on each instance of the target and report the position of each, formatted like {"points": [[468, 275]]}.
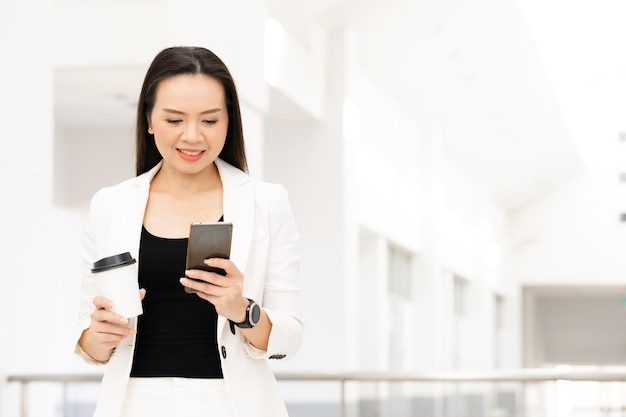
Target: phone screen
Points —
{"points": [[208, 240]]}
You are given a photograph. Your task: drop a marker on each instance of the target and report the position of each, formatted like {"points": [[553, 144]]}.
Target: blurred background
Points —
{"points": [[457, 170]]}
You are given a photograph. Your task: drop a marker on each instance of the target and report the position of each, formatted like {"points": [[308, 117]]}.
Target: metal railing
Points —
{"points": [[523, 376]]}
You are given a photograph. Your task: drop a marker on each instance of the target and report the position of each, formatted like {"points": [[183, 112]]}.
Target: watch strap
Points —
{"points": [[246, 324]]}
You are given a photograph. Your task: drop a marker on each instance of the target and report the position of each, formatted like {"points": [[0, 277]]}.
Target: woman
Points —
{"points": [[201, 354]]}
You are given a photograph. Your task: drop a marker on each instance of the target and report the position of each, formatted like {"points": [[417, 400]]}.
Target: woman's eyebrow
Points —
{"points": [[215, 110]]}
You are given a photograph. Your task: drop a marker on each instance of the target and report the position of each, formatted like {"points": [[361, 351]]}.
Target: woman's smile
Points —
{"points": [[189, 155]]}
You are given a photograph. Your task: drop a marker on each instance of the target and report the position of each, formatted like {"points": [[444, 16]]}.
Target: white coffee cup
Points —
{"points": [[116, 277]]}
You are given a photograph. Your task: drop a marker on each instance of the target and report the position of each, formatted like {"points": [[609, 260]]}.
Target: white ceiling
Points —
{"points": [[469, 67]]}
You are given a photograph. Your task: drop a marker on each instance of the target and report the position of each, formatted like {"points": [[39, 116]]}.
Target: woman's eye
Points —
{"points": [[210, 122], [173, 121]]}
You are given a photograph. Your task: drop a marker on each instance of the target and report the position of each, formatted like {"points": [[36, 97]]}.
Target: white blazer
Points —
{"points": [[264, 248]]}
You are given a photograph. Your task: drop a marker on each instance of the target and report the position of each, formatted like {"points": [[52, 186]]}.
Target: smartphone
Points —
{"points": [[208, 240]]}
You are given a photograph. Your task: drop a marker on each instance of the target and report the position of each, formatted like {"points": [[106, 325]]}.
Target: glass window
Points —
{"points": [[460, 296], [399, 281]]}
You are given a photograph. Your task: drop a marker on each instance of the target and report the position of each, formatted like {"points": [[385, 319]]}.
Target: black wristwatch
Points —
{"points": [[253, 315]]}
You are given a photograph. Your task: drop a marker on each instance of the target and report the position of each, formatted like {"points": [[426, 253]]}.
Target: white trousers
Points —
{"points": [[176, 397]]}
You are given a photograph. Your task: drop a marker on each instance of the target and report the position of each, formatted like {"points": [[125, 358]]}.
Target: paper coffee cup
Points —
{"points": [[116, 277]]}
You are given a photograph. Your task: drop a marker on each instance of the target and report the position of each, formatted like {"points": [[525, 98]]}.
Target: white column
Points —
{"points": [[308, 157], [26, 114]]}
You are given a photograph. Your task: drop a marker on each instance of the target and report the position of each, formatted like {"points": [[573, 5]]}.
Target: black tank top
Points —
{"points": [[176, 334]]}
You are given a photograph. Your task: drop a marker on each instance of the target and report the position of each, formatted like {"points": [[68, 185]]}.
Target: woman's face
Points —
{"points": [[189, 122]]}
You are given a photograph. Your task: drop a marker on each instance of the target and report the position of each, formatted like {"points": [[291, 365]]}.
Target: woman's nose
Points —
{"points": [[191, 132]]}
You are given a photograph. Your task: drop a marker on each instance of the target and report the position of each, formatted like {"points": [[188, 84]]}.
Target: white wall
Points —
{"points": [[571, 244], [27, 287], [307, 157], [411, 192], [575, 235], [87, 159], [369, 175]]}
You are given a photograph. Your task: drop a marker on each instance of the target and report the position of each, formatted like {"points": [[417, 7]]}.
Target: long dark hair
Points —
{"points": [[188, 60]]}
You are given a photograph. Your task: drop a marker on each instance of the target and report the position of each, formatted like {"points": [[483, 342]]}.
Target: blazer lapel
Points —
{"points": [[136, 210], [239, 210]]}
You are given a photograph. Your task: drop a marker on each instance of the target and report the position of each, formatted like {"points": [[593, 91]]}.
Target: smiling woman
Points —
{"points": [[192, 354]]}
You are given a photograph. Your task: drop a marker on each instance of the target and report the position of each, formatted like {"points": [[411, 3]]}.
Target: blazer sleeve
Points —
{"points": [[281, 288], [88, 285]]}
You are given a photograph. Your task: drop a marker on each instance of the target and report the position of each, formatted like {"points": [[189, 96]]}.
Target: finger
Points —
{"points": [[103, 329], [108, 340], [108, 316], [142, 293], [208, 277], [225, 264], [199, 274], [205, 277], [102, 302], [201, 286], [186, 282]]}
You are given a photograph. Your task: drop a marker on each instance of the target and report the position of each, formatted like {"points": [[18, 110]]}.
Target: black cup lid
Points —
{"points": [[111, 262]]}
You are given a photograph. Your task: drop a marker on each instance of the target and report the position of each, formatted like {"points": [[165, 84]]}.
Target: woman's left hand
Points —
{"points": [[223, 291]]}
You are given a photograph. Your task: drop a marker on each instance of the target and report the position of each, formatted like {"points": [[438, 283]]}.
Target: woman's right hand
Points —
{"points": [[105, 330]]}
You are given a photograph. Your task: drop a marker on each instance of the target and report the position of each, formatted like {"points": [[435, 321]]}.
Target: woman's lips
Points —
{"points": [[189, 155]]}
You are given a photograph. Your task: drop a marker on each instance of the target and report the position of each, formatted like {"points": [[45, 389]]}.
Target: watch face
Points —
{"points": [[255, 314]]}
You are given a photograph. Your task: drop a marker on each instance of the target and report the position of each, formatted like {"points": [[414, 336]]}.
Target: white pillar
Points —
{"points": [[26, 114], [308, 157]]}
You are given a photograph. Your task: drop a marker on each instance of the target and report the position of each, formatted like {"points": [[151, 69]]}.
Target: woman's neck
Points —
{"points": [[178, 183]]}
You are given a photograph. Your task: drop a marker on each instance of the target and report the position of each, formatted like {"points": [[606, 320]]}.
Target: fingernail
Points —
{"points": [[123, 320]]}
